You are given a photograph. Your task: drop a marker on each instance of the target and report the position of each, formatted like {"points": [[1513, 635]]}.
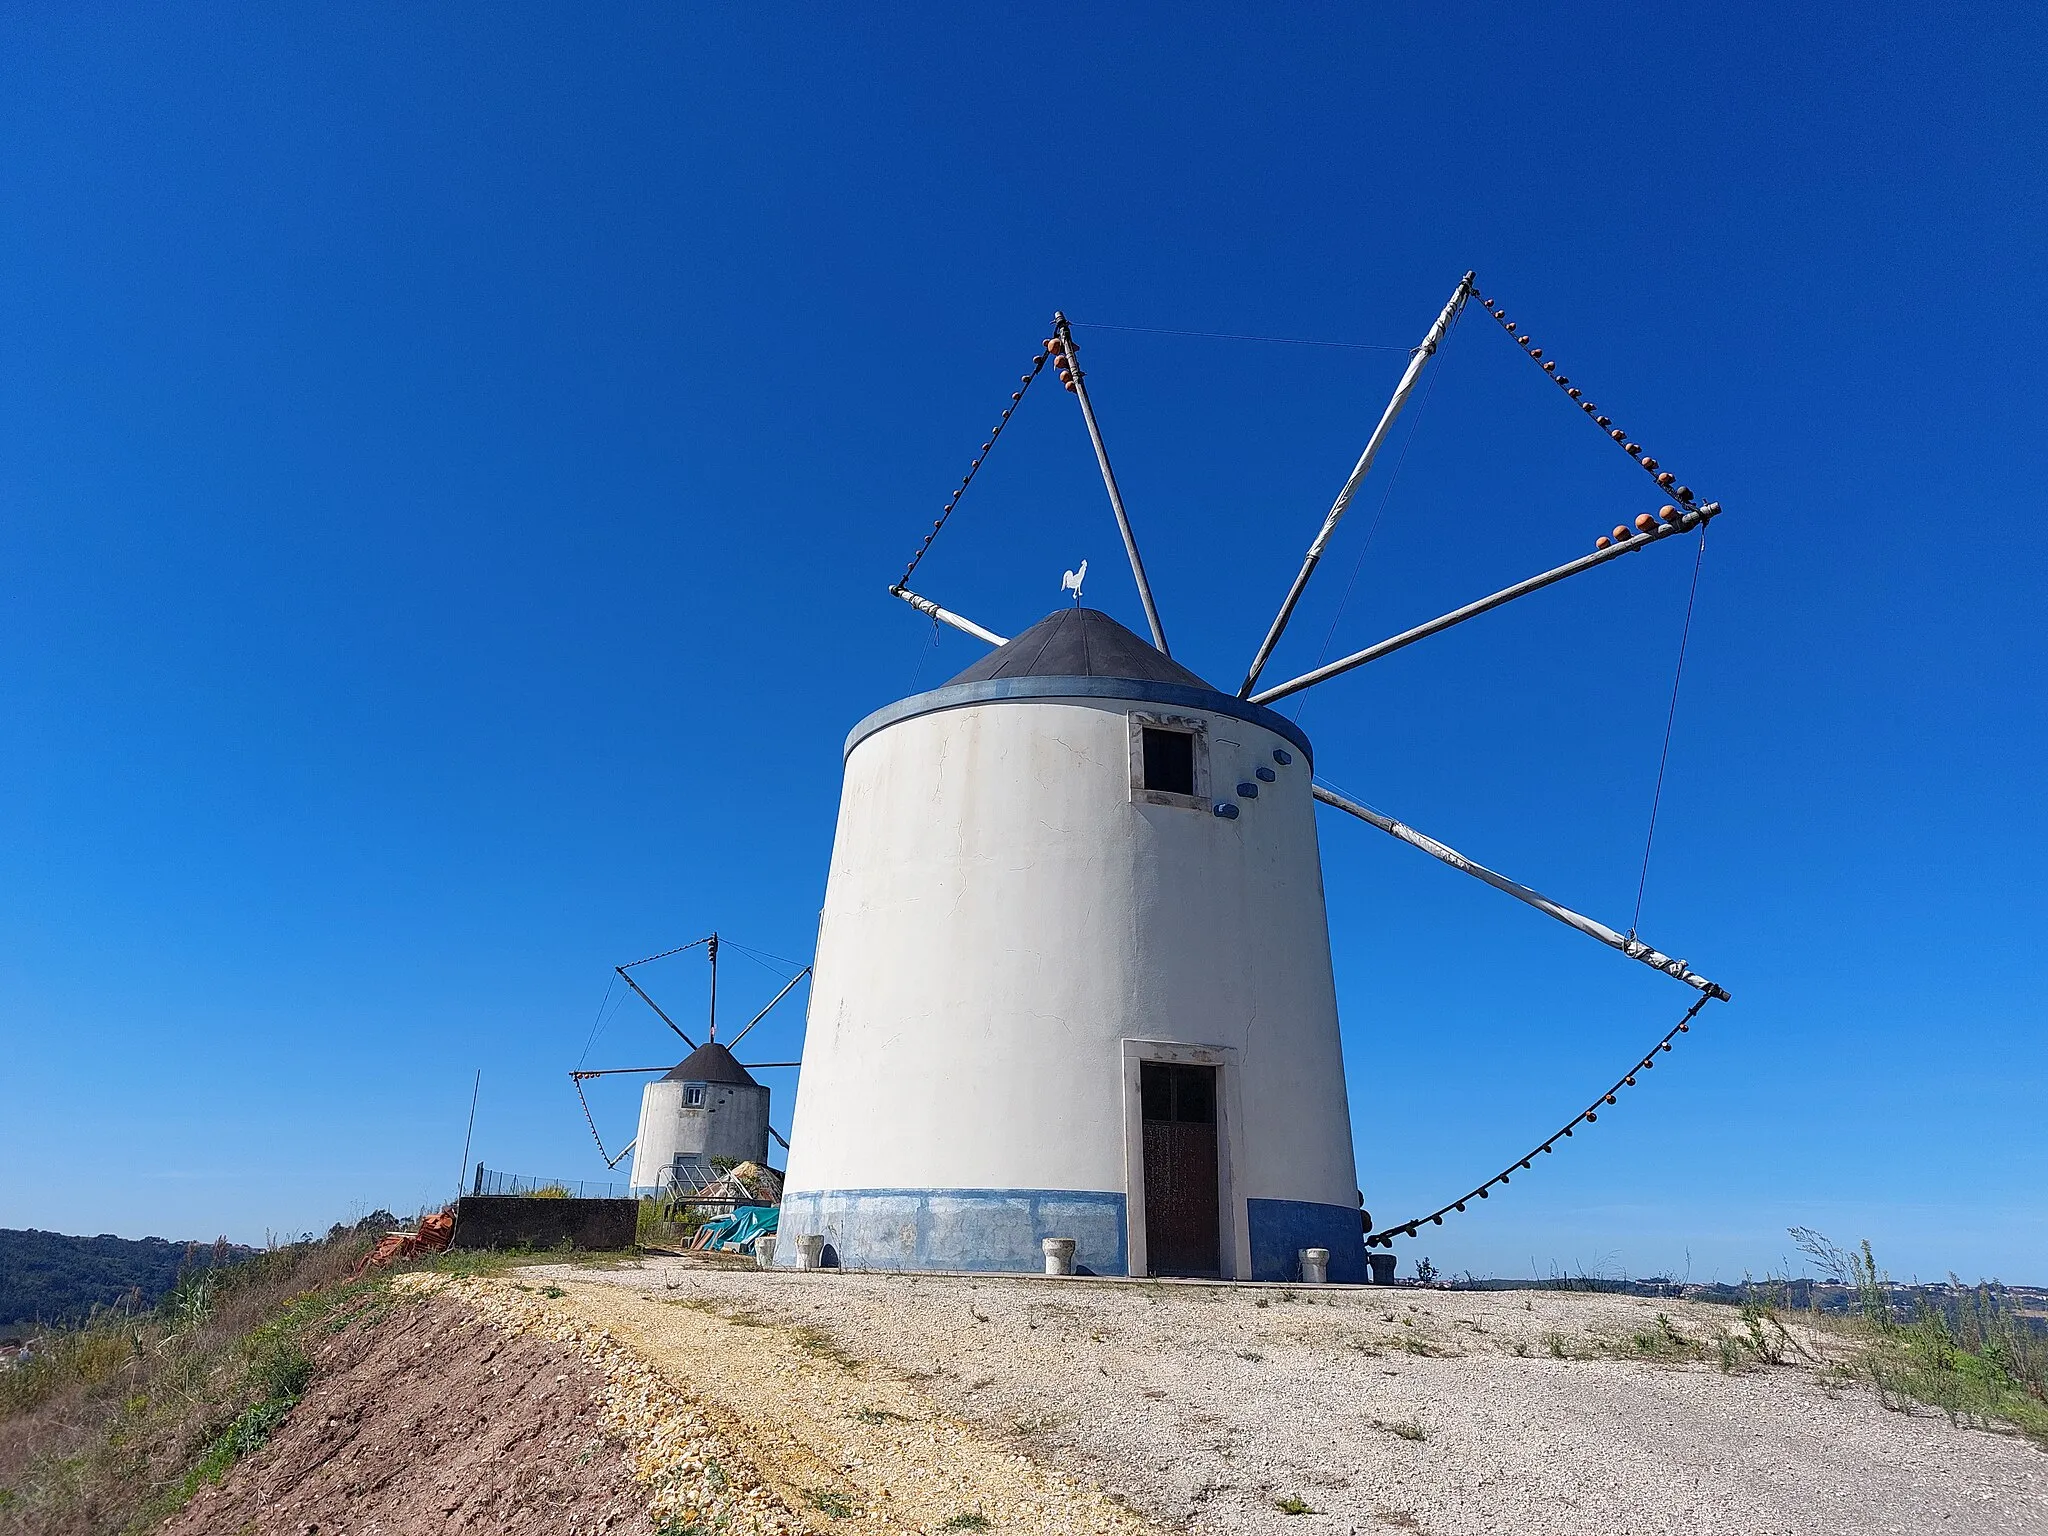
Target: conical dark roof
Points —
{"points": [[1079, 642], [710, 1063]]}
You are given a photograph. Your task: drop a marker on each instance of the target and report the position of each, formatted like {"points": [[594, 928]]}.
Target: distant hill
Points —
{"points": [[49, 1278]]}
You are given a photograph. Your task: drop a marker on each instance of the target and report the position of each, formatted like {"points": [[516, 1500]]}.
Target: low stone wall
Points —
{"points": [[521, 1221]]}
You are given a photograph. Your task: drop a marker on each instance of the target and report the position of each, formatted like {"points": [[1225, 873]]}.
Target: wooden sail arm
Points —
{"points": [[1683, 520], [1627, 944], [930, 609]]}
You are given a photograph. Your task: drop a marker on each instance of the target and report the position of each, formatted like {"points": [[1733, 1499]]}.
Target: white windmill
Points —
{"points": [[1073, 969], [705, 1113]]}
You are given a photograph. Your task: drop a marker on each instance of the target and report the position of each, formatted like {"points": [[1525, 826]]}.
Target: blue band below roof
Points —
{"points": [[1174, 695]]}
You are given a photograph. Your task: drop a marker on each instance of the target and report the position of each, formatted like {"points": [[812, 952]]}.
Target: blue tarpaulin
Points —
{"points": [[736, 1233]]}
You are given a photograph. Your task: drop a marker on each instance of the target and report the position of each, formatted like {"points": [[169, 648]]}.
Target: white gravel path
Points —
{"points": [[1205, 1406]]}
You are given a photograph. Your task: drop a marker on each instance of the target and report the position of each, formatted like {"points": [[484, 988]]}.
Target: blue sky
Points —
{"points": [[451, 463]]}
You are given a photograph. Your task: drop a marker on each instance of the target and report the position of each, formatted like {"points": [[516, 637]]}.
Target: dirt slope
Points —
{"points": [[425, 1421]]}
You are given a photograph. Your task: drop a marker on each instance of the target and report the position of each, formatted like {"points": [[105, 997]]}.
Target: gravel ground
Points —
{"points": [[1207, 1407]]}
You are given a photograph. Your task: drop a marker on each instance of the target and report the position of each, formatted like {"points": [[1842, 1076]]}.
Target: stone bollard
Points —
{"points": [[764, 1251], [810, 1251], [1059, 1255], [1382, 1267], [1315, 1266]]}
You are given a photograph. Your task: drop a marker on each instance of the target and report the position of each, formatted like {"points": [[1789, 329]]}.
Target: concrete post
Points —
{"points": [[1059, 1255], [764, 1251], [810, 1251], [1315, 1266]]}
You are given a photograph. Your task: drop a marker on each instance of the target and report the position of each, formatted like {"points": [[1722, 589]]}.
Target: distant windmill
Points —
{"points": [[705, 1110], [1073, 968]]}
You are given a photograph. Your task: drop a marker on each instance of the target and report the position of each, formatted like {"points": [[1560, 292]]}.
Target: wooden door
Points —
{"points": [[1181, 1227]]}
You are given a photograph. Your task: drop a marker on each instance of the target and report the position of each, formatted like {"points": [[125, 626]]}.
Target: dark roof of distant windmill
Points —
{"points": [[1079, 642], [710, 1063]]}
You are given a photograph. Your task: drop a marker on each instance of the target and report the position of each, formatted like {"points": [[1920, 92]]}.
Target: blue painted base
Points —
{"points": [[981, 1229], [1282, 1228]]}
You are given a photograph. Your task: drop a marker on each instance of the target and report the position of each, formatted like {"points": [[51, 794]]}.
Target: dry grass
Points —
{"points": [[117, 1423]]}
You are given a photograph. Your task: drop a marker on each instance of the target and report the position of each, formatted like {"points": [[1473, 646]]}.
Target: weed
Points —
{"points": [[1558, 1345], [1966, 1352], [1417, 1346], [1250, 1354], [814, 1341], [826, 1502], [250, 1430], [553, 1292], [1766, 1344], [1293, 1505], [1663, 1342], [972, 1520], [1402, 1429], [878, 1416]]}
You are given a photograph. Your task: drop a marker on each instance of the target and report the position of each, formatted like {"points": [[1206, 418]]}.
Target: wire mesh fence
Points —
{"points": [[490, 1181], [693, 1181]]}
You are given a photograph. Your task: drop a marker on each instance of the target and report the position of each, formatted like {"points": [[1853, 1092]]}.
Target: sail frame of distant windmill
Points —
{"points": [[707, 1112], [1073, 974]]}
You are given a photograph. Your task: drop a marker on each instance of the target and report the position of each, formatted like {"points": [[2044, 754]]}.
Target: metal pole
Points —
{"points": [[1065, 334], [713, 1035], [1402, 391], [650, 1002], [1633, 947], [462, 1172], [778, 997], [926, 606], [1688, 520]]}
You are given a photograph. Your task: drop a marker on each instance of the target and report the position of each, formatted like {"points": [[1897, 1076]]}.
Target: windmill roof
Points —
{"points": [[1079, 642], [710, 1063]]}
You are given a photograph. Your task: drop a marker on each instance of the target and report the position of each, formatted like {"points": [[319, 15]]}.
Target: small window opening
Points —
{"points": [[1169, 761], [693, 1095]]}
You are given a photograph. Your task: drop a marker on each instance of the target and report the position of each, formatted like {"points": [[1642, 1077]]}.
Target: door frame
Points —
{"points": [[1234, 1244]]}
